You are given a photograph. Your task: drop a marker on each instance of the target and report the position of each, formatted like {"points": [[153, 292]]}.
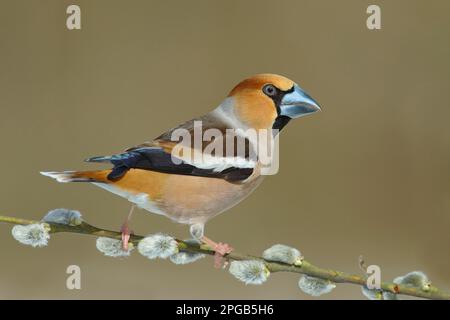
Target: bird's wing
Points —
{"points": [[158, 155]]}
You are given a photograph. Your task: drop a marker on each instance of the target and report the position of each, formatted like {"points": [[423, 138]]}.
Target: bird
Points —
{"points": [[178, 176]]}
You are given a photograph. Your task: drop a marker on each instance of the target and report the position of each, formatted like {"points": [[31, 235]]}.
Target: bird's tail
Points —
{"points": [[79, 176]]}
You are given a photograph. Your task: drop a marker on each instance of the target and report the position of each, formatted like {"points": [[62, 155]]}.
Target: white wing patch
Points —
{"points": [[219, 164]]}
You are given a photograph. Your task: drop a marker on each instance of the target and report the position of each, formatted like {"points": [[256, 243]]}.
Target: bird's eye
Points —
{"points": [[270, 90]]}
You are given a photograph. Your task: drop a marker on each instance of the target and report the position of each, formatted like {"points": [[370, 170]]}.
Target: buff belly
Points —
{"points": [[184, 199]]}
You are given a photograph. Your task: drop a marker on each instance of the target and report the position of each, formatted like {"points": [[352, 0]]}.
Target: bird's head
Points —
{"points": [[270, 101]]}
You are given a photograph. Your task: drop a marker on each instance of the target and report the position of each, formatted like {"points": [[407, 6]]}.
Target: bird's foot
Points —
{"points": [[125, 230], [220, 249], [126, 234]]}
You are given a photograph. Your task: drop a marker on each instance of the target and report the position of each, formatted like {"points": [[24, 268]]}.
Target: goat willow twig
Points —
{"points": [[305, 267]]}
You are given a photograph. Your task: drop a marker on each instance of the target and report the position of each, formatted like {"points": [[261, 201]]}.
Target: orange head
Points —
{"points": [[270, 101]]}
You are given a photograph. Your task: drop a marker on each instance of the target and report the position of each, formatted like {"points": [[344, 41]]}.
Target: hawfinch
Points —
{"points": [[184, 180]]}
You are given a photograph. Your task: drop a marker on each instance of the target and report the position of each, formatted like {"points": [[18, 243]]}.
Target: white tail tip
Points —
{"points": [[65, 176]]}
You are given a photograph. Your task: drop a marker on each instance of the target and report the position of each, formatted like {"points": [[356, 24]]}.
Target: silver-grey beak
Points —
{"points": [[297, 104]]}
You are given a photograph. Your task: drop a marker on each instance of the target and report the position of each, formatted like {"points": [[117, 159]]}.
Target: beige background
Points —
{"points": [[369, 175]]}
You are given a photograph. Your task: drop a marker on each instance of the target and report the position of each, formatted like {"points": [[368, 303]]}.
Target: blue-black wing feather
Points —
{"points": [[156, 159]]}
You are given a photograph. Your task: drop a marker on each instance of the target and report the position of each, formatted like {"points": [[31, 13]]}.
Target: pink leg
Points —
{"points": [[125, 230], [221, 249]]}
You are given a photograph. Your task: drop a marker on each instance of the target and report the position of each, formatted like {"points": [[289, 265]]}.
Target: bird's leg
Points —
{"points": [[220, 249], [125, 229]]}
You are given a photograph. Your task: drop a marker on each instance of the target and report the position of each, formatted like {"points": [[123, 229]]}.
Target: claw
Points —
{"points": [[220, 249], [126, 233], [125, 230]]}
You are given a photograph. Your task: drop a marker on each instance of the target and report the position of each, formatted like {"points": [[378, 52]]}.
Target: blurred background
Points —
{"points": [[369, 175]]}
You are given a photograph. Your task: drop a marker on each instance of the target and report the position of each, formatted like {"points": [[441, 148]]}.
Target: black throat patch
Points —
{"points": [[280, 121]]}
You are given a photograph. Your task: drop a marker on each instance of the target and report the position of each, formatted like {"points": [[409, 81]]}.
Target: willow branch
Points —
{"points": [[306, 268]]}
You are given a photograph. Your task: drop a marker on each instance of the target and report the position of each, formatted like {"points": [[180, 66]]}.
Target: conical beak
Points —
{"points": [[297, 104]]}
